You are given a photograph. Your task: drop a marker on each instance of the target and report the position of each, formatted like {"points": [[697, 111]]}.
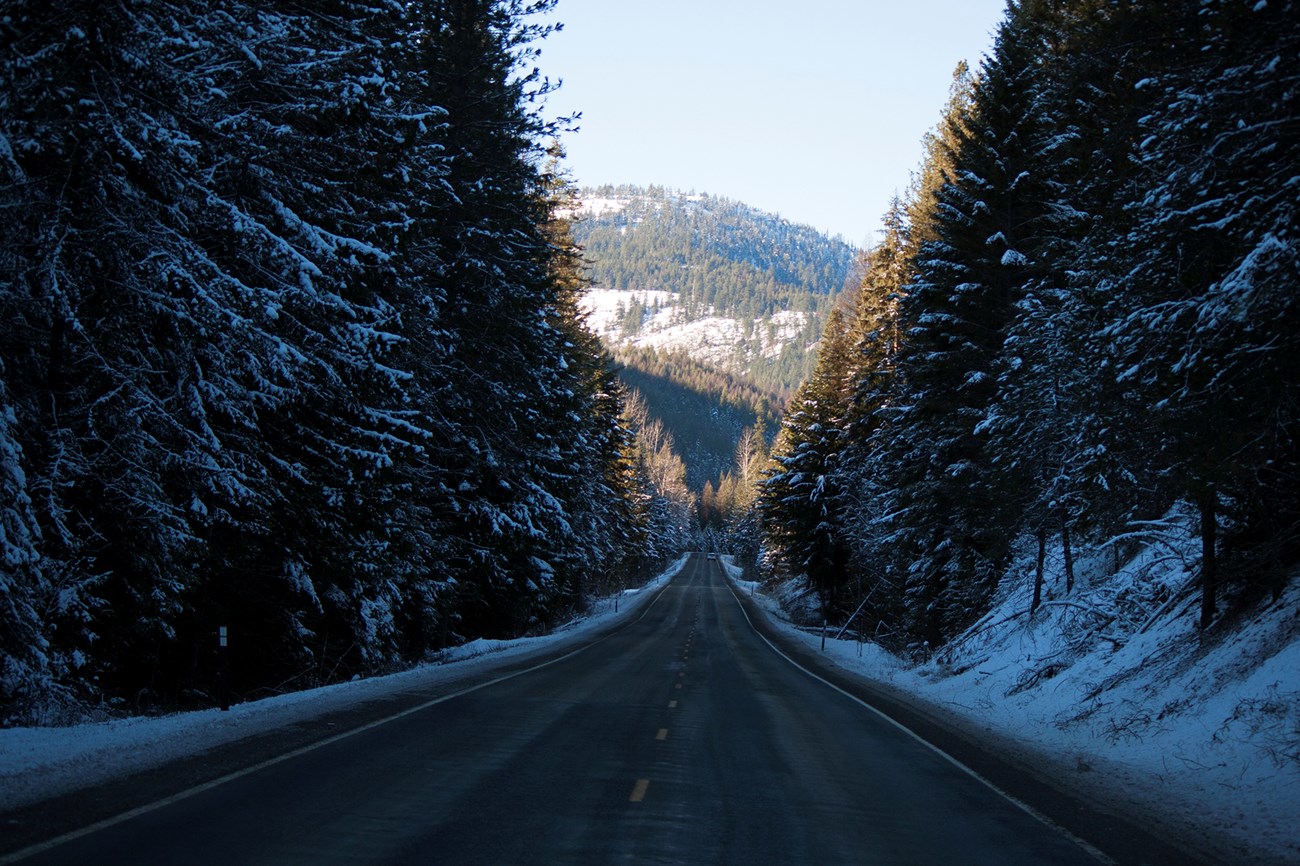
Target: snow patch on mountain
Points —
{"points": [[724, 342], [595, 206]]}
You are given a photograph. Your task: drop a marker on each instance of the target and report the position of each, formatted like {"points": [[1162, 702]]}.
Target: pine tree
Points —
{"points": [[504, 364], [876, 335], [1047, 427], [1206, 316], [593, 444], [800, 502], [295, 346], [134, 416], [666, 501], [956, 526]]}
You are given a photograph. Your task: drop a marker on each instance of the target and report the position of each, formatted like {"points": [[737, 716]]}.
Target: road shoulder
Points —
{"points": [[75, 791], [1084, 803]]}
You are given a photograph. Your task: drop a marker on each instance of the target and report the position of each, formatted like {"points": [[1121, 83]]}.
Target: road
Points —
{"points": [[681, 738]]}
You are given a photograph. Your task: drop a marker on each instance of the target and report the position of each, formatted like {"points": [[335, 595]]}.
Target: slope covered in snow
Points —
{"points": [[725, 342]]}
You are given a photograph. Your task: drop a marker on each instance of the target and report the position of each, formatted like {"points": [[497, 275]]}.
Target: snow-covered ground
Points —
{"points": [[1114, 688], [36, 763], [603, 306], [717, 340]]}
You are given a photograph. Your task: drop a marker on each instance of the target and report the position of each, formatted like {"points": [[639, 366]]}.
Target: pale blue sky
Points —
{"points": [[814, 110]]}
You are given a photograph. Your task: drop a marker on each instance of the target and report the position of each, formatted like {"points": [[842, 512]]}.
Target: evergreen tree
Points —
{"points": [[876, 335], [957, 529], [132, 414], [594, 444], [667, 504], [315, 128], [1047, 427], [504, 367], [801, 504], [295, 346], [1084, 317], [1206, 316]]}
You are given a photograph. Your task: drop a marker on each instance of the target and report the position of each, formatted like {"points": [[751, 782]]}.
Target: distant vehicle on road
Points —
{"points": [[713, 556]]}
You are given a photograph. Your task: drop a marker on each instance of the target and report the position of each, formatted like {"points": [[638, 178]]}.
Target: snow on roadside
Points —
{"points": [[1114, 684], [37, 763]]}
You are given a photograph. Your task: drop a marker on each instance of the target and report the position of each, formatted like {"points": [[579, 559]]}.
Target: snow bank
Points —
{"points": [[36, 763], [1115, 684]]}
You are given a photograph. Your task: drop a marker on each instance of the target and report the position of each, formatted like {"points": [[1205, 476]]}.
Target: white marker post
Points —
{"points": [[223, 671]]}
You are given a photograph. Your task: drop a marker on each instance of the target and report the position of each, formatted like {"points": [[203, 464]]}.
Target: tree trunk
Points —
{"points": [[1038, 572], [1209, 564], [1069, 555]]}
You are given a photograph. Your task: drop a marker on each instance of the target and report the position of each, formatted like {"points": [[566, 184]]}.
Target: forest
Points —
{"points": [[293, 344], [714, 251], [706, 410], [1083, 314], [291, 350]]}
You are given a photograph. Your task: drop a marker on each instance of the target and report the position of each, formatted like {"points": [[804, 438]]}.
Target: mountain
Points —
{"points": [[712, 308], [734, 287]]}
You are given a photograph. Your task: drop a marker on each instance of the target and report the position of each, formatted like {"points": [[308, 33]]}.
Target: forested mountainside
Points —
{"points": [[707, 411], [292, 346], [716, 253], [713, 309], [734, 286], [1082, 324]]}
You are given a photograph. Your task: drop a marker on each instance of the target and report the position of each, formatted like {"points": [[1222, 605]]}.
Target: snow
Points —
{"points": [[597, 206], [602, 305], [1113, 688], [37, 763], [711, 339]]}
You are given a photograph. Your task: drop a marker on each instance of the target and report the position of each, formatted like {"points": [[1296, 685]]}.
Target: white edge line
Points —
{"points": [[1015, 801], [42, 847]]}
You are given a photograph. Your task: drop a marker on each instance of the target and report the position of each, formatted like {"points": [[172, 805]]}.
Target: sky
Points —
{"points": [[814, 110]]}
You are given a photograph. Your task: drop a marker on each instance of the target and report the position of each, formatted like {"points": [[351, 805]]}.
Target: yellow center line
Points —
{"points": [[638, 791], [662, 735]]}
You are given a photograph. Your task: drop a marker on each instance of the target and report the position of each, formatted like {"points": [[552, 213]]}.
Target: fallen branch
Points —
{"points": [[1177, 598], [1083, 607], [973, 631]]}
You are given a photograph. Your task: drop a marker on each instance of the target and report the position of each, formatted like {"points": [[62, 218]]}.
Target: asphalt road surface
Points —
{"points": [[681, 738]]}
